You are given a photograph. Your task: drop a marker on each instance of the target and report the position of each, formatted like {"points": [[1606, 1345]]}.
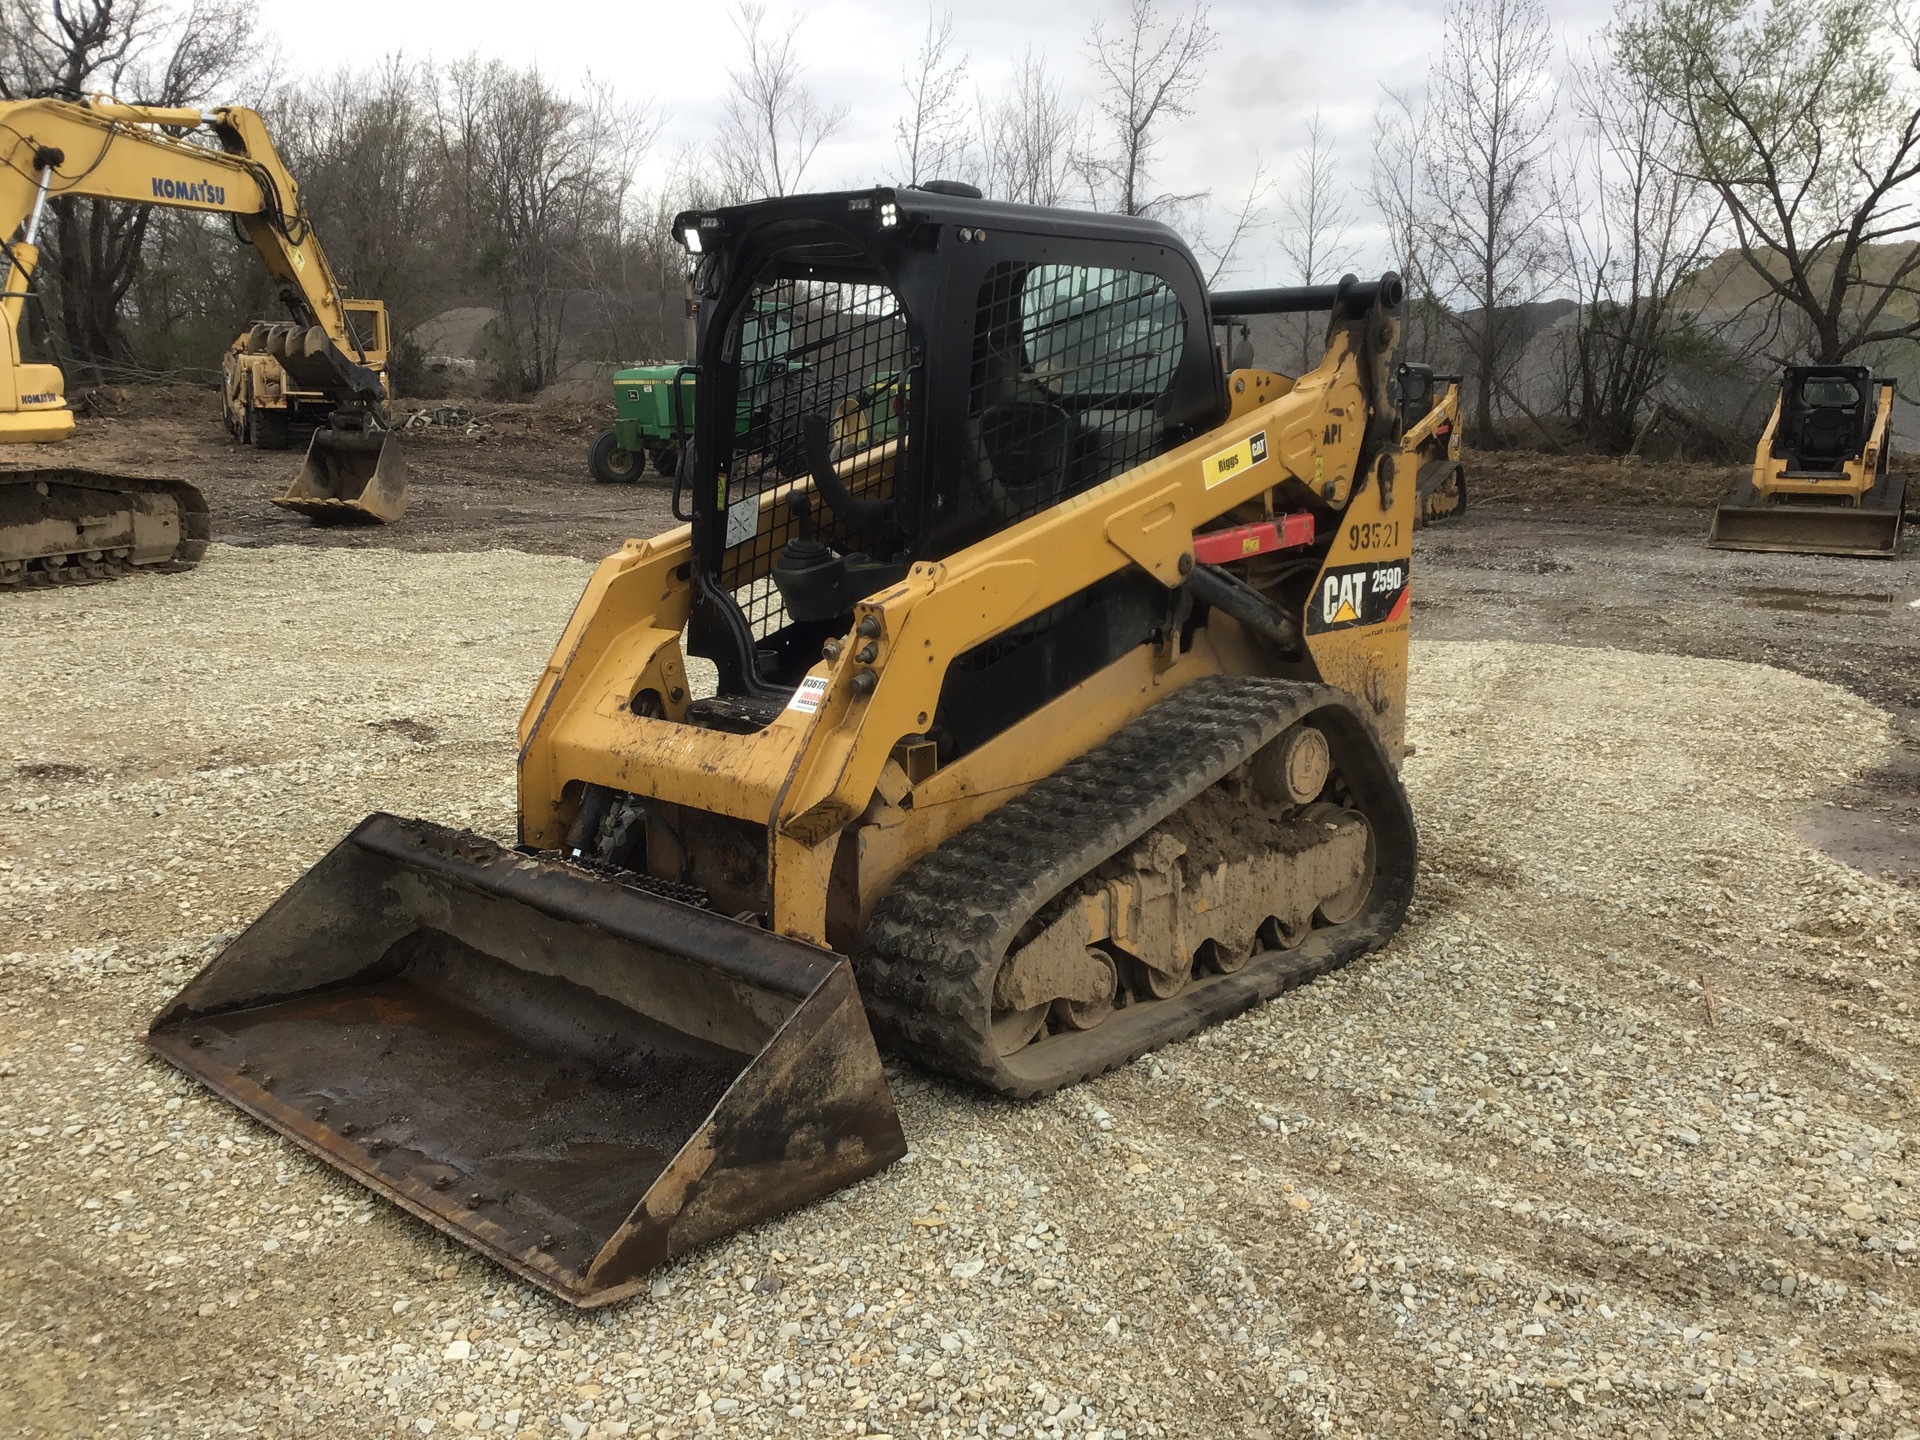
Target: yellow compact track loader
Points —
{"points": [[1430, 439], [66, 524], [1820, 483], [1062, 679]]}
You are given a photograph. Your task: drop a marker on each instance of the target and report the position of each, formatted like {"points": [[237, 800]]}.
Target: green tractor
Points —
{"points": [[647, 425], [644, 425]]}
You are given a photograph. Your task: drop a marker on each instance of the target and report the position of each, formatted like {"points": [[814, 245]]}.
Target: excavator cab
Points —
{"points": [[1820, 483]]}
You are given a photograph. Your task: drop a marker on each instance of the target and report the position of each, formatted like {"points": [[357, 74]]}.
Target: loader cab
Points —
{"points": [[1415, 385], [1826, 414], [889, 375]]}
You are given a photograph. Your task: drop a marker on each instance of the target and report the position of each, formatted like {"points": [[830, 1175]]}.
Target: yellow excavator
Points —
{"points": [[1059, 715], [61, 524], [1820, 483], [1430, 439]]}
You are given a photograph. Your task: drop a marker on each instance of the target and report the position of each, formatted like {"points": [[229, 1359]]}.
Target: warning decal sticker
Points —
{"points": [[1350, 595], [1216, 469], [807, 698], [743, 520]]}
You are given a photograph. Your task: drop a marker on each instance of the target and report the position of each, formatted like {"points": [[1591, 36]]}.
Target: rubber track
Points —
{"points": [[930, 953], [1432, 476], [189, 504]]}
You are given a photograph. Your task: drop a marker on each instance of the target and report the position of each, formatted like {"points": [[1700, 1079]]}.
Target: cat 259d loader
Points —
{"points": [[1059, 716], [1820, 483], [61, 524]]}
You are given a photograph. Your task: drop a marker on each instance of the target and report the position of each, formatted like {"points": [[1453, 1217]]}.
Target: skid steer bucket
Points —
{"points": [[350, 476], [1870, 529], [578, 1078]]}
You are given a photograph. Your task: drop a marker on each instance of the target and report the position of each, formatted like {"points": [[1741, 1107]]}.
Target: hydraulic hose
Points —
{"points": [[1228, 593]]}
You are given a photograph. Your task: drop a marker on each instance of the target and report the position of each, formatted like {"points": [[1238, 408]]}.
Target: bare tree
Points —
{"points": [[772, 125], [541, 181], [1147, 72], [1316, 219], [1803, 117], [1398, 189], [165, 54], [1487, 178], [1636, 231], [363, 146], [1224, 250], [931, 135], [1030, 137]]}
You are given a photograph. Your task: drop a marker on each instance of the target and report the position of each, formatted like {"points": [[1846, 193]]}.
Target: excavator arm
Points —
{"points": [[141, 154], [155, 155]]}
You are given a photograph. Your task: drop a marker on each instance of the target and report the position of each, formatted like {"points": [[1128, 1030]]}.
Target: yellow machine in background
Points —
{"points": [[1430, 439], [1059, 716], [1820, 483], [60, 523], [262, 402]]}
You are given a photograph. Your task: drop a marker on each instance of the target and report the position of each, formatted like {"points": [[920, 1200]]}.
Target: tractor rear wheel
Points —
{"points": [[610, 464]]}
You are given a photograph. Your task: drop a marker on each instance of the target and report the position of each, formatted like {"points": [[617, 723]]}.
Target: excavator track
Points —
{"points": [[935, 944], [62, 526]]}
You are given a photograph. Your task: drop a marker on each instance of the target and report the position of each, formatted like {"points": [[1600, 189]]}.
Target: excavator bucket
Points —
{"points": [[576, 1077], [1872, 528], [350, 476]]}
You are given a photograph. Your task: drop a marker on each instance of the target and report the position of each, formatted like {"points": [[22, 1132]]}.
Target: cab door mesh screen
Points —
{"points": [[830, 349], [1071, 368]]}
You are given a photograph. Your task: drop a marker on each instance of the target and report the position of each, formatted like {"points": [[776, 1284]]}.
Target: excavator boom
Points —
{"points": [[154, 155]]}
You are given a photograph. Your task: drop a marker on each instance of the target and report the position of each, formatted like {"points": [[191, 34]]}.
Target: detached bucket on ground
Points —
{"points": [[350, 476], [579, 1079]]}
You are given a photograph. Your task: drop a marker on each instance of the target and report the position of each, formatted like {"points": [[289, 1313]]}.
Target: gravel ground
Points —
{"points": [[1612, 1140]]}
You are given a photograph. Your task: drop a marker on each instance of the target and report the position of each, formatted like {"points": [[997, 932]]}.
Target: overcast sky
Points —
{"points": [[1277, 61]]}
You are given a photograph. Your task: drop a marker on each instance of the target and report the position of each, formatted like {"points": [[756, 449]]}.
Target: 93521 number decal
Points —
{"points": [[1374, 535]]}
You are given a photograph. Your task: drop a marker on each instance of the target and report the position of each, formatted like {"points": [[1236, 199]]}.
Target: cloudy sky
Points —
{"points": [[1278, 60]]}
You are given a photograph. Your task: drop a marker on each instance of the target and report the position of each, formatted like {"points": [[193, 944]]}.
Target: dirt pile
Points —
{"points": [[1534, 477]]}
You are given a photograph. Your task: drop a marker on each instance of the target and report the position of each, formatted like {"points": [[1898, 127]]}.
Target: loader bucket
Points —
{"points": [[1871, 529], [350, 476], [580, 1079]]}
